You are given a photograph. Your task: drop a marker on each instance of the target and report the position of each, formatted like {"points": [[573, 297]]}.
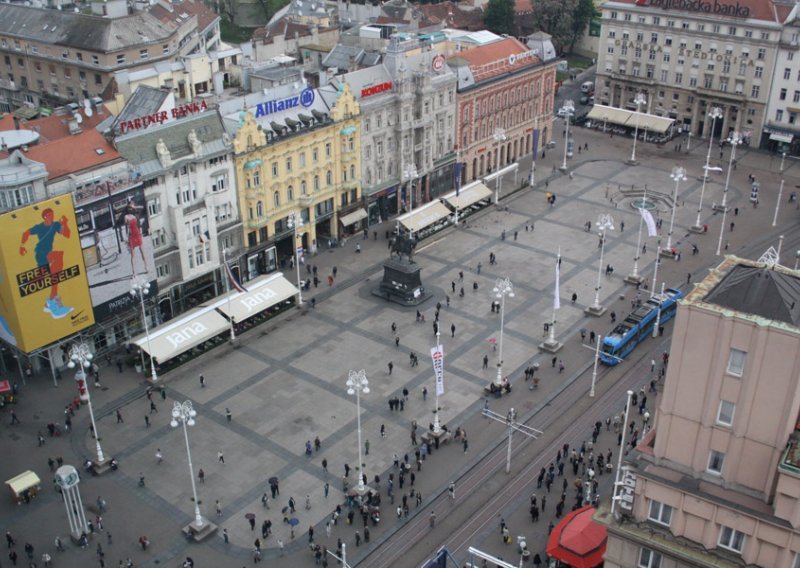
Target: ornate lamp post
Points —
{"points": [[141, 287], [678, 175], [295, 222], [604, 223], [502, 288], [410, 173], [714, 114], [638, 101], [183, 413], [81, 357], [567, 110], [734, 140], [621, 453], [357, 383]]}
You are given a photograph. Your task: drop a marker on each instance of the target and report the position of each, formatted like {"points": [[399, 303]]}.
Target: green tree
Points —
{"points": [[499, 17], [581, 17], [556, 17]]}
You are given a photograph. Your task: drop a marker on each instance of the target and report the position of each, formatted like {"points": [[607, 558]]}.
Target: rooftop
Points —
{"points": [[756, 288], [764, 10], [81, 31], [493, 59], [182, 10], [73, 154]]}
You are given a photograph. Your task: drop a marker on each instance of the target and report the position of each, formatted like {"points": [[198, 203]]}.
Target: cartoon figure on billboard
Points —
{"points": [[50, 261], [131, 220]]}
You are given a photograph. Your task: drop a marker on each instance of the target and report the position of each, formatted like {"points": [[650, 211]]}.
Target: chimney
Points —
{"points": [[16, 122]]}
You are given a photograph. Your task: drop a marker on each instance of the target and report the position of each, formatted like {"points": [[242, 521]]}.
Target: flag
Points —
{"points": [[458, 177], [437, 355], [648, 219], [234, 284], [556, 296]]}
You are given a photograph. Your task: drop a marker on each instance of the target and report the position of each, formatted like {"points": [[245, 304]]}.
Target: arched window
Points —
{"points": [[329, 178], [352, 172], [290, 193], [259, 209], [316, 183], [276, 198], [303, 188]]}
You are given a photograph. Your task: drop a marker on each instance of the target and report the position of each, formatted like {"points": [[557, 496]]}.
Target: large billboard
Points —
{"points": [[117, 246], [44, 293]]}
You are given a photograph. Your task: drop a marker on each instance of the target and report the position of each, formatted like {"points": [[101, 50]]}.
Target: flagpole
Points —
{"points": [[556, 300], [228, 292], [634, 277], [655, 271], [436, 424], [458, 182]]}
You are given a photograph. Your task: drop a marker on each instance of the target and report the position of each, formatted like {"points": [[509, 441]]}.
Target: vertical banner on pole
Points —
{"points": [[535, 143], [437, 355]]}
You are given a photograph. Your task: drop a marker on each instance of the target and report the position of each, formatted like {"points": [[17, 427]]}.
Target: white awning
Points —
{"points": [[468, 195], [424, 216], [353, 217], [262, 293], [176, 337], [25, 480], [780, 137], [630, 118]]}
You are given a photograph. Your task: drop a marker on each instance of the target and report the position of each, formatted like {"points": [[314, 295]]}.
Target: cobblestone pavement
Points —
{"points": [[284, 383]]}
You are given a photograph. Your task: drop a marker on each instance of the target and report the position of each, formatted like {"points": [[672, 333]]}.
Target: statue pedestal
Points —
{"points": [[401, 283]]}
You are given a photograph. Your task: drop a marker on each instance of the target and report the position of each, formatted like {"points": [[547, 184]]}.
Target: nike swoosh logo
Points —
{"points": [[76, 315]]}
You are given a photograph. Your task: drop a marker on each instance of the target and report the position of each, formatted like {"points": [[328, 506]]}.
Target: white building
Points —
{"points": [[781, 124]]}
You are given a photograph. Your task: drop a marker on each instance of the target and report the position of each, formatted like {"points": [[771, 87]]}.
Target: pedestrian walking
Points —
{"points": [[220, 457], [485, 361], [153, 407], [451, 490], [201, 475], [432, 519], [218, 508], [146, 421], [202, 381], [366, 447], [452, 330], [14, 417], [391, 366], [159, 456], [119, 417]]}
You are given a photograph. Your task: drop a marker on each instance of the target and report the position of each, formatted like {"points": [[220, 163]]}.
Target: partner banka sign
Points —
{"points": [[705, 6]]}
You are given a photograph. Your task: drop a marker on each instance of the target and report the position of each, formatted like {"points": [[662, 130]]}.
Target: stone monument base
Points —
{"points": [[198, 534], [549, 346], [401, 283]]}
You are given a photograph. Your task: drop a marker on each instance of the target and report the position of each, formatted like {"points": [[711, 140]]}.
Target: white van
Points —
{"points": [[587, 86]]}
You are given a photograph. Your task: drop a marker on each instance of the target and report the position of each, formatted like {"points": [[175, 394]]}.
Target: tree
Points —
{"points": [[581, 17], [556, 17], [499, 16]]}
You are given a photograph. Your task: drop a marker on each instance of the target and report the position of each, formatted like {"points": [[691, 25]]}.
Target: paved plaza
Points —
{"points": [[285, 382]]}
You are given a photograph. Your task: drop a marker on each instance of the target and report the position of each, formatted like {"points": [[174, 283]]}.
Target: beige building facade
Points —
{"points": [[716, 482], [688, 57]]}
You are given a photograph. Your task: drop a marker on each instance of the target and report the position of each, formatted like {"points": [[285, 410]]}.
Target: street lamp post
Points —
{"points": [[502, 288], [295, 221], [621, 452], [714, 114], [783, 157], [184, 413], [689, 142], [778, 205], [141, 287], [678, 175], [633, 277], [596, 361], [604, 223], [734, 140], [357, 383], [81, 357], [499, 137], [410, 173], [437, 425], [639, 101], [567, 110]]}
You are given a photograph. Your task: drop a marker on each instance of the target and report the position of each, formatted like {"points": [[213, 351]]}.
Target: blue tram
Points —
{"points": [[638, 326]]}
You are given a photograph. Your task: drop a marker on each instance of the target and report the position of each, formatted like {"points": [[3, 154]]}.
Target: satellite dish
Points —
{"points": [[78, 117], [87, 108]]}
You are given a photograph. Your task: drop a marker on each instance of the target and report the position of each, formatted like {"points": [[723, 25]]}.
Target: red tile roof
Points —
{"points": [[493, 59], [523, 6], [55, 127], [764, 10], [205, 15], [74, 154], [453, 16]]}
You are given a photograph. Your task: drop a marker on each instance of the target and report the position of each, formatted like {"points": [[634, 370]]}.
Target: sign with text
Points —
{"points": [[437, 355], [44, 294], [716, 7], [376, 89], [161, 117]]}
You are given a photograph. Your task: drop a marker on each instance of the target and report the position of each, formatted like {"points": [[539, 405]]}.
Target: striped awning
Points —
{"points": [[467, 195], [424, 216]]}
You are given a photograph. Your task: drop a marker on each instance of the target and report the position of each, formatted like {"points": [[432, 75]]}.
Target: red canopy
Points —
{"points": [[577, 540]]}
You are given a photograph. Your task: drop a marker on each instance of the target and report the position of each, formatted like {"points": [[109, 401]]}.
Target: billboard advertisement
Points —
{"points": [[115, 238], [44, 293]]}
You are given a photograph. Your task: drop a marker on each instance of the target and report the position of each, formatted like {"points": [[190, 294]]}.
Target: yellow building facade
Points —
{"points": [[299, 164]]}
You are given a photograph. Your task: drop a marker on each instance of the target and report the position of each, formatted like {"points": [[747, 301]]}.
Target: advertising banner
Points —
{"points": [[44, 293], [116, 242], [437, 355]]}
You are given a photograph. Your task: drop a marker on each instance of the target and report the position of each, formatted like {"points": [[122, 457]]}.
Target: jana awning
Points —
{"points": [[468, 195], [623, 117], [424, 216], [353, 217], [25, 480], [261, 294], [176, 337], [781, 137], [577, 540]]}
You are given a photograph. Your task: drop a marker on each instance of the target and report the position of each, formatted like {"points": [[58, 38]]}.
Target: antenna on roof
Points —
{"points": [[770, 257], [78, 117], [87, 108]]}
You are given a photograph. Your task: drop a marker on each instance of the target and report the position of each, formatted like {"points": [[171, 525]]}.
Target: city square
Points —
{"points": [[284, 382]]}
